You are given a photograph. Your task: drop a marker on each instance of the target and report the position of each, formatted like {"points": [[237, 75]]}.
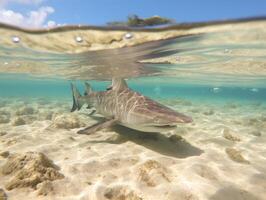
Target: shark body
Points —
{"points": [[121, 105]]}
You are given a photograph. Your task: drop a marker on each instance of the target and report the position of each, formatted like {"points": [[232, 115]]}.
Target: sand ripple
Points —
{"points": [[221, 155]]}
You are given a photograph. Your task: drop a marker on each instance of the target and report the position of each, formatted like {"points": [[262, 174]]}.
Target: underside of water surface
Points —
{"points": [[214, 73]]}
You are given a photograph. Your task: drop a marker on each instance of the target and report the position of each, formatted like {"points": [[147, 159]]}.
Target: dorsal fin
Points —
{"points": [[88, 89], [118, 84]]}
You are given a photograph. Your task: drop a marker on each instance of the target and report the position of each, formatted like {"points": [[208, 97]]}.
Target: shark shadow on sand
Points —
{"points": [[157, 142]]}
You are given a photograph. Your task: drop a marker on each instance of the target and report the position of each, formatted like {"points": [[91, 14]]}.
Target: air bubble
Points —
{"points": [[79, 39], [128, 36], [15, 39], [227, 51]]}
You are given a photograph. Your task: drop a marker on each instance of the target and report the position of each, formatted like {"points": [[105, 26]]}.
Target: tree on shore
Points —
{"points": [[136, 21]]}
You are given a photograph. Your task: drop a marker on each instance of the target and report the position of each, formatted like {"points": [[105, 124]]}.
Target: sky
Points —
{"points": [[50, 13]]}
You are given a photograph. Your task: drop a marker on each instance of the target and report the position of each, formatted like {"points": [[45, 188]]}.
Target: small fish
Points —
{"points": [[121, 105]]}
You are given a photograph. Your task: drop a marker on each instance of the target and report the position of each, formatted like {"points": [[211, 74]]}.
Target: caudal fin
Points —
{"points": [[77, 103]]}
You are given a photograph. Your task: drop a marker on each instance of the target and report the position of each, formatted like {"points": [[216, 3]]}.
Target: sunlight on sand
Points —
{"points": [[221, 155]]}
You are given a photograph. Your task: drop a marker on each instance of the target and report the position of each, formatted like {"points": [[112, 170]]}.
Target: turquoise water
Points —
{"points": [[218, 78], [17, 86]]}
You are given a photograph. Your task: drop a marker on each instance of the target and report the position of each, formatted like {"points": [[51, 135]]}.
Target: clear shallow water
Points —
{"points": [[217, 66], [17, 86], [219, 79]]}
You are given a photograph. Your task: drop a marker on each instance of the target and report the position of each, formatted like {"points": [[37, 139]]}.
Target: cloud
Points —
{"points": [[32, 19], [4, 3]]}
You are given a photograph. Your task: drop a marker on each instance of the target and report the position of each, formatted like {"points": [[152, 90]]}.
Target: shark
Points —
{"points": [[119, 104]]}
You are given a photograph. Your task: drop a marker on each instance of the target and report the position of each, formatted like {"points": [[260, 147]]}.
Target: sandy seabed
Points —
{"points": [[221, 155]]}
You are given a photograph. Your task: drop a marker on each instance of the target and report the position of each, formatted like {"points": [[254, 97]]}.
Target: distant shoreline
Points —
{"points": [[180, 26]]}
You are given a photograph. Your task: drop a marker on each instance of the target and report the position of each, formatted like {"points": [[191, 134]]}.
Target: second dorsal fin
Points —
{"points": [[88, 89]]}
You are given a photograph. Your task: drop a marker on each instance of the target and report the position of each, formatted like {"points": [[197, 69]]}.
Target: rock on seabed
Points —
{"points": [[153, 173], [18, 121], [4, 119], [25, 111], [3, 195], [121, 193], [227, 135], [236, 155], [29, 169], [67, 121]]}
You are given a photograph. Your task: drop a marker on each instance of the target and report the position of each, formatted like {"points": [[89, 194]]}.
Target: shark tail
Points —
{"points": [[77, 102]]}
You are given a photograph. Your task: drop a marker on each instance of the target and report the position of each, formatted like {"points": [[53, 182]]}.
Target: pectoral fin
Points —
{"points": [[97, 127], [92, 112]]}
